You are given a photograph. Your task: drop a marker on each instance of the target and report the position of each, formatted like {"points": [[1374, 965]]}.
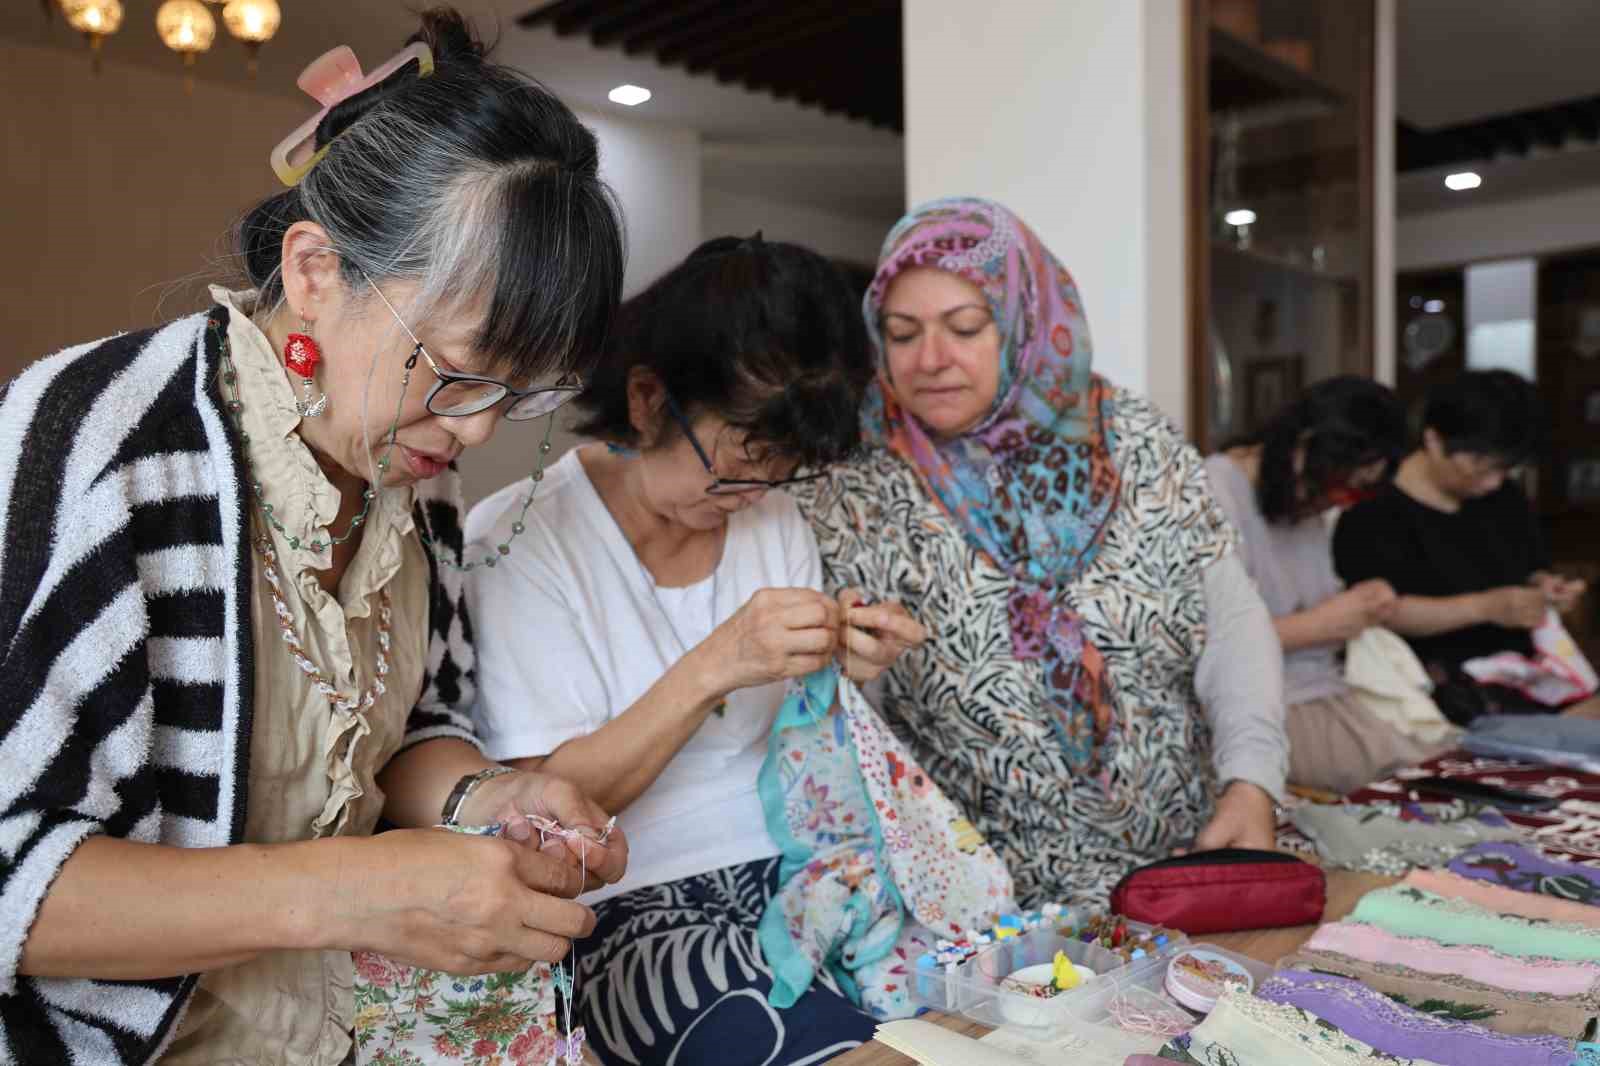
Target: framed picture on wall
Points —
{"points": [[1269, 384]]}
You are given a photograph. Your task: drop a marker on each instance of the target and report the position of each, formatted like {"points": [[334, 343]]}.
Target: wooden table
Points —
{"points": [[1345, 887]]}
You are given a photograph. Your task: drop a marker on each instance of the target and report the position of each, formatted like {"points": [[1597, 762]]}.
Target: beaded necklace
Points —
{"points": [[380, 669], [230, 389], [269, 556]]}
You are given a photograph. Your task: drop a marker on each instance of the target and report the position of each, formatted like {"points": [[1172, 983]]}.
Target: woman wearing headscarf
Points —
{"points": [[1101, 684]]}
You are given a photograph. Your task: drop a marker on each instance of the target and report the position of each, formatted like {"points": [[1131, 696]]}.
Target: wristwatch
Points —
{"points": [[463, 789]]}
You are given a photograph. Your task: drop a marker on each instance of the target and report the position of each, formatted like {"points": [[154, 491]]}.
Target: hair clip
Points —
{"points": [[331, 78]]}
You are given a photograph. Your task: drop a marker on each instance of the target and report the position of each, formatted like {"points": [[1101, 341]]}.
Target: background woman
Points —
{"points": [[637, 637], [1335, 443], [1456, 537], [233, 632], [1100, 684]]}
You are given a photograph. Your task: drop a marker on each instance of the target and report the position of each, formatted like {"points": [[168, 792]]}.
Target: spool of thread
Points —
{"points": [[1197, 977]]}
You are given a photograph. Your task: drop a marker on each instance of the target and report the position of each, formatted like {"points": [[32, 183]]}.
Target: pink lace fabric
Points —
{"points": [[1552, 977], [1453, 996], [1504, 900]]}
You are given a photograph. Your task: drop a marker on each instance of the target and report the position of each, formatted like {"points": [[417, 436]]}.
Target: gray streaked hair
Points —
{"points": [[477, 186]]}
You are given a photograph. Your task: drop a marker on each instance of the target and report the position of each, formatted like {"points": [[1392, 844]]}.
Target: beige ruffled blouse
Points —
{"points": [[312, 768]]}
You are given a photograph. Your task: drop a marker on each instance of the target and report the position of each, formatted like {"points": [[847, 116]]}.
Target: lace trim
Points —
{"points": [[1278, 1023], [1457, 954], [1335, 960], [1385, 1011], [1472, 910], [1459, 823]]}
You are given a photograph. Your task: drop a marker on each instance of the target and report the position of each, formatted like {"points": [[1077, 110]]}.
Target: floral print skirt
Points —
{"points": [[406, 1016]]}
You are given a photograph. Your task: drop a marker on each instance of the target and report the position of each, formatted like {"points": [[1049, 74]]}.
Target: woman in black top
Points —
{"points": [[1455, 535]]}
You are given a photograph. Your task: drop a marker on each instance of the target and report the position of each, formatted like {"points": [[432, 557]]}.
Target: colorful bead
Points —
{"points": [[301, 354]]}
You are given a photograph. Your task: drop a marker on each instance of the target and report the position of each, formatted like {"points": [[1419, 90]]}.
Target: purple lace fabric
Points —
{"points": [[1522, 868], [1376, 1019]]}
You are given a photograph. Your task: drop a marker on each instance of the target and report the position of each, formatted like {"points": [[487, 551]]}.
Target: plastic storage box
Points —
{"points": [[1120, 989]]}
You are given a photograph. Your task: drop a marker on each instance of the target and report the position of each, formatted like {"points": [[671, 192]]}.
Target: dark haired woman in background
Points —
{"points": [[636, 639], [1456, 537], [1337, 442], [231, 612]]}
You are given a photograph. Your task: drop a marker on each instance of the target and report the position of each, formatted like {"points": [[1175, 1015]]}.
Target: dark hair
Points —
{"points": [[475, 183], [1486, 412], [765, 335], [1343, 423]]}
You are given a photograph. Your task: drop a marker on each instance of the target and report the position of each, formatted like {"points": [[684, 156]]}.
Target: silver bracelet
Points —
{"points": [[463, 789]]}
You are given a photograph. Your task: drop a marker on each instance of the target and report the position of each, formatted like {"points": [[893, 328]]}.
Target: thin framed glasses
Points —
{"points": [[458, 395], [729, 486]]}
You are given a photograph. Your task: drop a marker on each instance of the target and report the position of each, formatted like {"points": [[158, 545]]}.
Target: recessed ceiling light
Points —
{"points": [[1462, 181], [1242, 217], [629, 95]]}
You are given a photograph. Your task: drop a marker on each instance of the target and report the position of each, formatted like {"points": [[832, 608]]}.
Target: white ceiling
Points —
{"points": [[1463, 60], [1506, 178], [755, 143]]}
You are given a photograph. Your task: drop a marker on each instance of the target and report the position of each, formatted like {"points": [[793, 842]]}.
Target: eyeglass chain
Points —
{"points": [[235, 408]]}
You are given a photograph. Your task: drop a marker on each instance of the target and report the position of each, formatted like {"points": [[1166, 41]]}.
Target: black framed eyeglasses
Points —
{"points": [[728, 486], [458, 395]]}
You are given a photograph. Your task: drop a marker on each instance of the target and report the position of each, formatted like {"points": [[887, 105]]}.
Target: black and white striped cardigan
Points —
{"points": [[125, 687]]}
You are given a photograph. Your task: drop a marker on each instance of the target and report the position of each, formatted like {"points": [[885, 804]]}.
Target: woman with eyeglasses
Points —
{"points": [[231, 592], [635, 639]]}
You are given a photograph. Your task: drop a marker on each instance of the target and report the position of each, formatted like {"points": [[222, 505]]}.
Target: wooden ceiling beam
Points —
{"points": [[645, 31], [609, 26], [693, 33], [1584, 118], [1549, 127], [1509, 132], [555, 13], [778, 34], [856, 85]]}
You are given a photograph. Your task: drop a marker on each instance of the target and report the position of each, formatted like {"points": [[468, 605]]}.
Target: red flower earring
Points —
{"points": [[301, 354]]}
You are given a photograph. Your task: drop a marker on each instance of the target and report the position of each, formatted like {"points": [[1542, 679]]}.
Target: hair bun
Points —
{"points": [[448, 34]]}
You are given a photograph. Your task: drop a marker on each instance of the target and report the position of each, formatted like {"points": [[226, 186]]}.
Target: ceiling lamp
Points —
{"points": [[95, 19], [254, 22], [186, 27]]}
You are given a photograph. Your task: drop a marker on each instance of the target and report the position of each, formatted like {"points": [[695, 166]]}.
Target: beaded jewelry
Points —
{"points": [[340, 702], [230, 382], [230, 379]]}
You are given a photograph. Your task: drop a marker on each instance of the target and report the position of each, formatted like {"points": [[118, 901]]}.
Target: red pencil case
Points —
{"points": [[1223, 891]]}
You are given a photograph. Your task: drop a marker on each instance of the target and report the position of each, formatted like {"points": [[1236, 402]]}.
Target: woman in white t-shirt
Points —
{"points": [[636, 638]]}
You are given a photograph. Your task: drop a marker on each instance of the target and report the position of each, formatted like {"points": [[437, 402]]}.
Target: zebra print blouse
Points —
{"points": [[971, 711]]}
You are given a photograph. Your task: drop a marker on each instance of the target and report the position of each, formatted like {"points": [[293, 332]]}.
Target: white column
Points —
{"points": [[1383, 201], [1071, 114]]}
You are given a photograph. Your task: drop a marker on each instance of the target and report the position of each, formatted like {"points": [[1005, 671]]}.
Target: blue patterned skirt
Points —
{"points": [[673, 975]]}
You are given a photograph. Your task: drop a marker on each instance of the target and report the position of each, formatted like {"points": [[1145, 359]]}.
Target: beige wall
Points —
{"points": [[119, 193]]}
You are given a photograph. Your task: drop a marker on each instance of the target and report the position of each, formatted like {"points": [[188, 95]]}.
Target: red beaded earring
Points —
{"points": [[301, 354]]}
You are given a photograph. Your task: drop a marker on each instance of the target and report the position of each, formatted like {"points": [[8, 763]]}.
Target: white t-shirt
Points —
{"points": [[570, 633]]}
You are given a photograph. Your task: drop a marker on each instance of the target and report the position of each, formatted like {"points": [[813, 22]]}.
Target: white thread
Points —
{"points": [[571, 1042]]}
